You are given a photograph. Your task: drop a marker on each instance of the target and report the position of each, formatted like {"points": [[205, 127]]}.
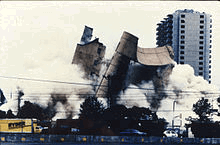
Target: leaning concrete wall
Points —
{"points": [[155, 56], [89, 56], [112, 82], [87, 35]]}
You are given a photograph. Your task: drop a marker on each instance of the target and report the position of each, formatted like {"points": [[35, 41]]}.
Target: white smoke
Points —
{"points": [[185, 89], [134, 96], [39, 92], [182, 89]]}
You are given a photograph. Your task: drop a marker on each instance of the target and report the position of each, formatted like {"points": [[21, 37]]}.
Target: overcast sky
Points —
{"points": [[35, 35]]}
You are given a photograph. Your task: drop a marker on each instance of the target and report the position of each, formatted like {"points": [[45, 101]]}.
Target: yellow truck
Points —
{"points": [[19, 126]]}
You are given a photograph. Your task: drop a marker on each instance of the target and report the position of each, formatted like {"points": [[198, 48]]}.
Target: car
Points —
{"points": [[170, 133], [74, 130], [40, 129], [135, 132]]}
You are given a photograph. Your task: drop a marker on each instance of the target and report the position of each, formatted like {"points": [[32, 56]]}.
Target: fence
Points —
{"points": [[42, 138]]}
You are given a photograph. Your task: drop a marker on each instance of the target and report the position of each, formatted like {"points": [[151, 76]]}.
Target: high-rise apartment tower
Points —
{"points": [[189, 33]]}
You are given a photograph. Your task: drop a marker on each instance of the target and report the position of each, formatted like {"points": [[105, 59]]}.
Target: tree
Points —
{"points": [[115, 112], [30, 110], [137, 113], [2, 114], [203, 109], [9, 114], [91, 109]]}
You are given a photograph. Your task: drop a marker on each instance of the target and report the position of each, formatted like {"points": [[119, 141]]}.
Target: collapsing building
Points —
{"points": [[114, 79], [155, 56], [89, 54]]}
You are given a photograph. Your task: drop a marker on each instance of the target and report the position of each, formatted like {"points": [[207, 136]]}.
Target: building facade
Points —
{"points": [[189, 33], [89, 54]]}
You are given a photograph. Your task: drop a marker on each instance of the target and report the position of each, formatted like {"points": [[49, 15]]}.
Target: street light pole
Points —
{"points": [[173, 113]]}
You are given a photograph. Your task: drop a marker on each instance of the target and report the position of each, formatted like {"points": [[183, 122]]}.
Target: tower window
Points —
{"points": [[202, 21], [200, 63], [182, 21], [182, 26], [200, 58], [201, 32], [182, 16], [201, 37], [182, 47], [182, 31], [201, 47], [201, 16], [181, 62], [96, 62], [99, 51], [182, 37], [181, 57], [200, 68], [200, 73], [181, 52], [201, 26], [201, 53], [200, 42], [182, 42]]}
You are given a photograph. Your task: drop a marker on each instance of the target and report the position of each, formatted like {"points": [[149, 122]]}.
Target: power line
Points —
{"points": [[69, 100], [57, 111], [48, 81], [125, 97], [87, 84], [135, 97]]}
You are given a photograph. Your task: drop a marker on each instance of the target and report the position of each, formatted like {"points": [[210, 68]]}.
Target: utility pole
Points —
{"points": [[173, 113], [20, 94]]}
